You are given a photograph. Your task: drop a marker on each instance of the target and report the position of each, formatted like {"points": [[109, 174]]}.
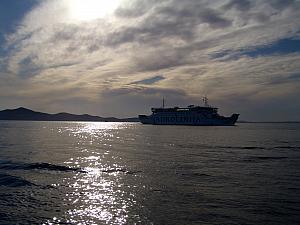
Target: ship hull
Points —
{"points": [[189, 120]]}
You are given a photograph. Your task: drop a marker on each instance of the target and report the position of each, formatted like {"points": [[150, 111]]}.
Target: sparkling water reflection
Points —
{"points": [[97, 194], [94, 197]]}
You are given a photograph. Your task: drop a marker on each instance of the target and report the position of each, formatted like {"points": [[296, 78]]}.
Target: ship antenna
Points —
{"points": [[205, 101]]}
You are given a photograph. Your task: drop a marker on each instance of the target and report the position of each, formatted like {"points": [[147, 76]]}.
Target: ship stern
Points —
{"points": [[234, 117]]}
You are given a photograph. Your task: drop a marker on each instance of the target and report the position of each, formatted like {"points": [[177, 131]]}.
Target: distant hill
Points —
{"points": [[27, 114]]}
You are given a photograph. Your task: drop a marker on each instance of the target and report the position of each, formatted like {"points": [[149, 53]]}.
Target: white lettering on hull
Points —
{"points": [[178, 120]]}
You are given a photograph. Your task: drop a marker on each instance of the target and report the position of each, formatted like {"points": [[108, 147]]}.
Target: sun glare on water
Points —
{"points": [[86, 10]]}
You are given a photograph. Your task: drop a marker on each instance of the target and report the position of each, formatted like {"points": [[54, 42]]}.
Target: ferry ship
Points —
{"points": [[192, 115]]}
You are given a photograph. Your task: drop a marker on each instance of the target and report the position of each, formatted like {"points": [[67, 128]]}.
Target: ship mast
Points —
{"points": [[205, 101], [163, 102]]}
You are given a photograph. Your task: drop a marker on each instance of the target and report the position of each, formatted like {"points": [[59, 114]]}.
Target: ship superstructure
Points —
{"points": [[191, 115]]}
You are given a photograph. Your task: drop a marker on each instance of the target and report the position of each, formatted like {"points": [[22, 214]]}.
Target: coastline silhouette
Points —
{"points": [[30, 115]]}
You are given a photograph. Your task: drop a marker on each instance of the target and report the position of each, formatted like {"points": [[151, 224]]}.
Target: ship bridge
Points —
{"points": [[190, 108]]}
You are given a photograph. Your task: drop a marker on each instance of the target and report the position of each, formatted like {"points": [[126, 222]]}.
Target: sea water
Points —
{"points": [[129, 173]]}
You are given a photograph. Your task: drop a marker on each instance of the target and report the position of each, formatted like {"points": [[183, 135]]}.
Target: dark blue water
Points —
{"points": [[128, 173]]}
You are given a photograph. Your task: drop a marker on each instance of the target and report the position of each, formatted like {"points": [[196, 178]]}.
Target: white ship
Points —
{"points": [[191, 115]]}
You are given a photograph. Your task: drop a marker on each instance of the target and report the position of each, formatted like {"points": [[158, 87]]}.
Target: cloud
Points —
{"points": [[283, 4], [144, 91], [242, 5], [224, 49], [213, 18], [136, 8]]}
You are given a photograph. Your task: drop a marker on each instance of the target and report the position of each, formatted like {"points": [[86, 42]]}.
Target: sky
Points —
{"points": [[121, 57]]}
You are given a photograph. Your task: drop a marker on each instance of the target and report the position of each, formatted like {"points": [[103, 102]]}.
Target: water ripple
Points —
{"points": [[13, 181], [8, 165]]}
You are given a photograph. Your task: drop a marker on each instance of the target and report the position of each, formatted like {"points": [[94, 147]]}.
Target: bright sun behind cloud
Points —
{"points": [[86, 10]]}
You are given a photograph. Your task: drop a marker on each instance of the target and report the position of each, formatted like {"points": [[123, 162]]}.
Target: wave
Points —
{"points": [[200, 146], [14, 181], [194, 174], [218, 146], [287, 147], [122, 170], [264, 158], [269, 157], [52, 167], [8, 165]]}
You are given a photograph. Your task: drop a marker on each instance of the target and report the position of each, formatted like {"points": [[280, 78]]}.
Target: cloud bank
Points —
{"points": [[109, 66]]}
